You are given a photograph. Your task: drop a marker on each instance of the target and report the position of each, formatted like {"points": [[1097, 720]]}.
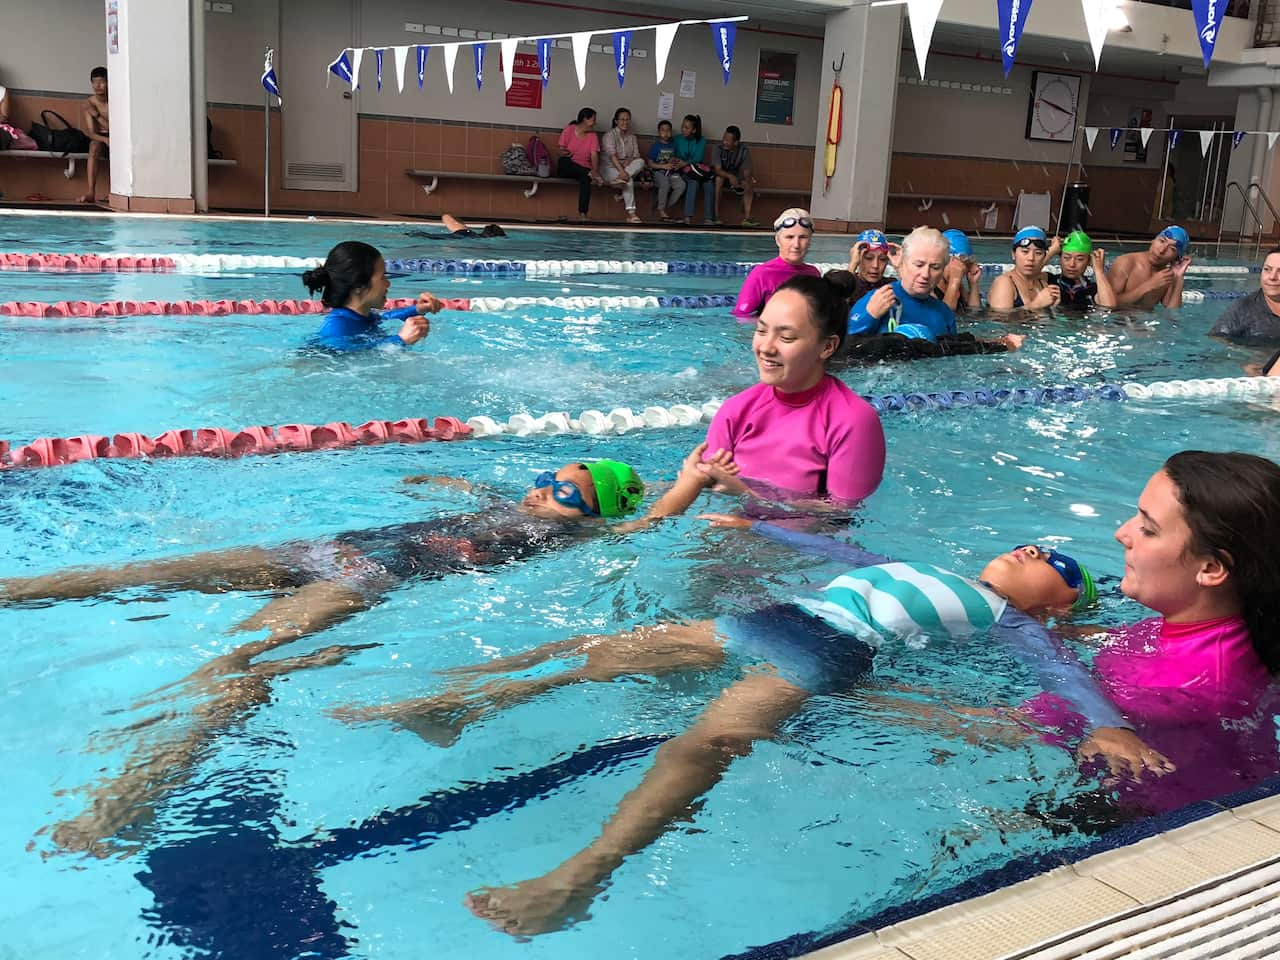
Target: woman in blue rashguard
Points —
{"points": [[354, 284], [813, 645]]}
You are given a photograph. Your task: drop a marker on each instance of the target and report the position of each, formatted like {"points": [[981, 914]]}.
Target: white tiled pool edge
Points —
{"points": [[1037, 917]]}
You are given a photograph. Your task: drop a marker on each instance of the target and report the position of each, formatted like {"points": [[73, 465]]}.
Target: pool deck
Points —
{"points": [[1190, 874]]}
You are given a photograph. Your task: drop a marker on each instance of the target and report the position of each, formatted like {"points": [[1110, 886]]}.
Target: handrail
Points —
{"points": [[1257, 217]]}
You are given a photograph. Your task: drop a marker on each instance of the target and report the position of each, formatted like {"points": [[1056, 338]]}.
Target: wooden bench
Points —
{"points": [[71, 159], [434, 176]]}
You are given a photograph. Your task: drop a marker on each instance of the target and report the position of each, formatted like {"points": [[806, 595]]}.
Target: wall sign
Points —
{"points": [[776, 87], [526, 82]]}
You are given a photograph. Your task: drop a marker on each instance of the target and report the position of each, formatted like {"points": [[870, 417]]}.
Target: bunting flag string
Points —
{"points": [[1011, 18], [346, 66]]}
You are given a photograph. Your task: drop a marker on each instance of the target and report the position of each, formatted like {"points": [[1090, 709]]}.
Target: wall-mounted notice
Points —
{"points": [[526, 82], [776, 87], [666, 106], [113, 26], [688, 83]]}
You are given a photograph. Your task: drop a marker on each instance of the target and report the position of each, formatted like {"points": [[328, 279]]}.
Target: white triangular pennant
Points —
{"points": [[450, 58], [1206, 138], [923, 15], [402, 57], [1090, 135], [1146, 135], [664, 34], [356, 56], [508, 48], [581, 47], [1096, 14], [1271, 139]]}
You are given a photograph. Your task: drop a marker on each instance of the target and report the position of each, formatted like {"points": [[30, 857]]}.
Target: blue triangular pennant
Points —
{"points": [[341, 68], [270, 82], [724, 34], [1208, 14], [1116, 134], [377, 56], [1011, 18], [621, 54], [544, 60], [1174, 137], [1237, 137], [422, 65], [478, 49]]}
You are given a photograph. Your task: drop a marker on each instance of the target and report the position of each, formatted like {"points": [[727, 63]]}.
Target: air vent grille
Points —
{"points": [[316, 171]]}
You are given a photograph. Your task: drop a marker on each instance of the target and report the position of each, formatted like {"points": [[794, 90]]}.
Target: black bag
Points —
{"points": [[64, 140], [6, 140]]}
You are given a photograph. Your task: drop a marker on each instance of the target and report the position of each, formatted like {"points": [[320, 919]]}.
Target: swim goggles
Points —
{"points": [[565, 492], [788, 222], [1073, 574], [1032, 242]]}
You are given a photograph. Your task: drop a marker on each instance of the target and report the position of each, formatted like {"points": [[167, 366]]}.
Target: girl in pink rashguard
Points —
{"points": [[799, 430], [1195, 682]]}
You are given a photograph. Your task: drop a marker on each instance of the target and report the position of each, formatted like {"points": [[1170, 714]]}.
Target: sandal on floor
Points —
{"points": [[634, 219]]}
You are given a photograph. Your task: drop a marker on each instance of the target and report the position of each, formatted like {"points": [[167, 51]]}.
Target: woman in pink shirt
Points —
{"points": [[1195, 681], [580, 156], [792, 232], [800, 431]]}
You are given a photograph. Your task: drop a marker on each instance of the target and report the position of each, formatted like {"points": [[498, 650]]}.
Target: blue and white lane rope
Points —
{"points": [[621, 420], [208, 262]]}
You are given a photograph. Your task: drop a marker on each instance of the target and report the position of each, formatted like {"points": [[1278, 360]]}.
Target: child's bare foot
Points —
{"points": [[527, 909]]}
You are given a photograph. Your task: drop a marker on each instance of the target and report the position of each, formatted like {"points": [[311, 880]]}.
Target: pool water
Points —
{"points": [[298, 835]]}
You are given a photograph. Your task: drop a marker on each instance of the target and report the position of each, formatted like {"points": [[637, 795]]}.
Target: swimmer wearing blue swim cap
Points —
{"points": [[874, 240], [1031, 236], [959, 289], [1155, 277]]}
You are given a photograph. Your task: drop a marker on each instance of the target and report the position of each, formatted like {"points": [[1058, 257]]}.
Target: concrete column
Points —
{"points": [[1270, 172], [870, 40], [151, 108]]}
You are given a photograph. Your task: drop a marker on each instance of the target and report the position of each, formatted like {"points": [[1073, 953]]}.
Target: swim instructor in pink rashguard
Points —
{"points": [[792, 232], [800, 430]]}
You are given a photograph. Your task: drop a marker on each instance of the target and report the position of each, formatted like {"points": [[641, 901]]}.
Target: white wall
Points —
{"points": [[51, 45], [235, 43]]}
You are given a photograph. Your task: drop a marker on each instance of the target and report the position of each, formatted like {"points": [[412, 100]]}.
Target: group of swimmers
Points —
{"points": [[1168, 701]]}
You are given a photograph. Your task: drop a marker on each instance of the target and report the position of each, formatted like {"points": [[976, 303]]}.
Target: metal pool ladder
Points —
{"points": [[1250, 208]]}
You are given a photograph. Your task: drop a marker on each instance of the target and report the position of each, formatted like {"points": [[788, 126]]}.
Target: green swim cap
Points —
{"points": [[618, 488], [1077, 242], [1088, 589]]}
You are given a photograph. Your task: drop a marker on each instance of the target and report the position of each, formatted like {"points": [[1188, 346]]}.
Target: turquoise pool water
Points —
{"points": [[298, 835]]}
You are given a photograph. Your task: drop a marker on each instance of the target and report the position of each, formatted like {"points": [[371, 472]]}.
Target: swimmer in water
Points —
{"points": [[320, 584], [1078, 292], [459, 229], [820, 644], [354, 284]]}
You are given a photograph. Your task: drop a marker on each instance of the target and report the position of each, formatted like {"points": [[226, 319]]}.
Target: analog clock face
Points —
{"points": [[1053, 107]]}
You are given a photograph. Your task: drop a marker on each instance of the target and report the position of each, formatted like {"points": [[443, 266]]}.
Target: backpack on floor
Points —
{"points": [[539, 156], [515, 162], [65, 139]]}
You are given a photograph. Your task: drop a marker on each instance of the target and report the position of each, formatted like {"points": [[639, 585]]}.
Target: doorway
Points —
{"points": [[1196, 180], [319, 125]]}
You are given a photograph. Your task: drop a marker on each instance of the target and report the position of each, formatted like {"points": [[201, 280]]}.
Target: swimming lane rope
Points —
{"points": [[218, 262], [216, 441]]}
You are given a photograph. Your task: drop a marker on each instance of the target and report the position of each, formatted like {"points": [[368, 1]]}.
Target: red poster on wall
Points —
{"points": [[526, 83]]}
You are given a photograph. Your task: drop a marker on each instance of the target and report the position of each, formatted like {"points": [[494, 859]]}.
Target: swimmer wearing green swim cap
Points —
{"points": [[1079, 292]]}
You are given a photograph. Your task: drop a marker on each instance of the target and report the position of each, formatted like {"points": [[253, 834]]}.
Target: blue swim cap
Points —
{"points": [[959, 243], [1178, 236], [1029, 235], [874, 239]]}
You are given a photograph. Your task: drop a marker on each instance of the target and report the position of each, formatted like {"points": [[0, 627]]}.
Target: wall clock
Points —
{"points": [[1051, 115]]}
